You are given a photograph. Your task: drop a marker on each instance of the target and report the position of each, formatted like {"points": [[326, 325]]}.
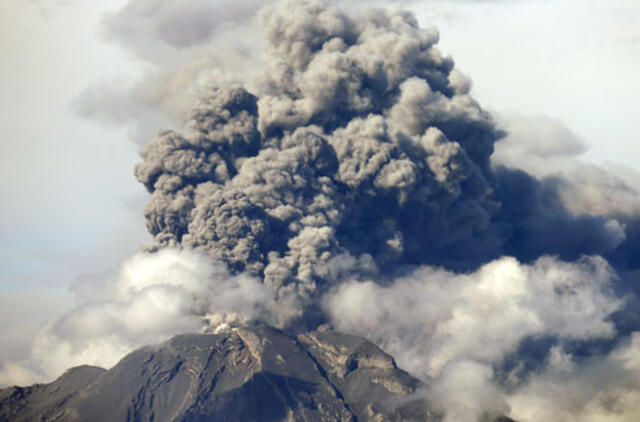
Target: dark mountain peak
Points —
{"points": [[44, 402], [255, 373]]}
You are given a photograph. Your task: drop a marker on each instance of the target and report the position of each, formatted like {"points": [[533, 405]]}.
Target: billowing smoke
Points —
{"points": [[362, 144], [351, 181]]}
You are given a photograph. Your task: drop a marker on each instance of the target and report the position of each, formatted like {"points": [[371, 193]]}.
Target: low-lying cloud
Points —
{"points": [[152, 297]]}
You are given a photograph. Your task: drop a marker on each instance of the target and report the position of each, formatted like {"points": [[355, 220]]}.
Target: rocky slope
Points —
{"points": [[245, 374]]}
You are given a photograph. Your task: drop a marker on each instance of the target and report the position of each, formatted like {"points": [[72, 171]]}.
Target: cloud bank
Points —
{"points": [[152, 296]]}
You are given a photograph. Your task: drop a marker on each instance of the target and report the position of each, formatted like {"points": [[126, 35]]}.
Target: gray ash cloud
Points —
{"points": [[362, 142], [359, 141]]}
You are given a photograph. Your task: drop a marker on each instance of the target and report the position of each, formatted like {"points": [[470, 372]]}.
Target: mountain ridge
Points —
{"points": [[255, 373]]}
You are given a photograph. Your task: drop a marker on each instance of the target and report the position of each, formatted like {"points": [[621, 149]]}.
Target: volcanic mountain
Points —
{"points": [[255, 373]]}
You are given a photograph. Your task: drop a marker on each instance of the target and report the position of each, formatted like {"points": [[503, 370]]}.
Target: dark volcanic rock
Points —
{"points": [[46, 402], [245, 374], [368, 378]]}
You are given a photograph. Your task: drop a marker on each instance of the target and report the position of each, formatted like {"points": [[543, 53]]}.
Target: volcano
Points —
{"points": [[255, 373]]}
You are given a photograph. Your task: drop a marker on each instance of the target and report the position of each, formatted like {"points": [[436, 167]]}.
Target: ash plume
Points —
{"points": [[362, 141]]}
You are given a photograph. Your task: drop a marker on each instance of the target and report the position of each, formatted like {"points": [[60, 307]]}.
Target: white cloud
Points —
{"points": [[432, 316], [596, 390], [465, 392], [450, 328], [154, 296]]}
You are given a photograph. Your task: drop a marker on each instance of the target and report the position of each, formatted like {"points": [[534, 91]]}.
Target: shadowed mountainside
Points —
{"points": [[245, 374]]}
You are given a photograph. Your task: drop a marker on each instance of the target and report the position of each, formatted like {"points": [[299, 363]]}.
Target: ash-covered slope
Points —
{"points": [[246, 374], [44, 402]]}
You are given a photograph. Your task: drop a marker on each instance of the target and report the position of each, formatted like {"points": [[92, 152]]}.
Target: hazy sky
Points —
{"points": [[65, 213], [573, 60], [72, 208]]}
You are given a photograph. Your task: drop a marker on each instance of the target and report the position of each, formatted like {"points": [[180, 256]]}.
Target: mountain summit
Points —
{"points": [[243, 374]]}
